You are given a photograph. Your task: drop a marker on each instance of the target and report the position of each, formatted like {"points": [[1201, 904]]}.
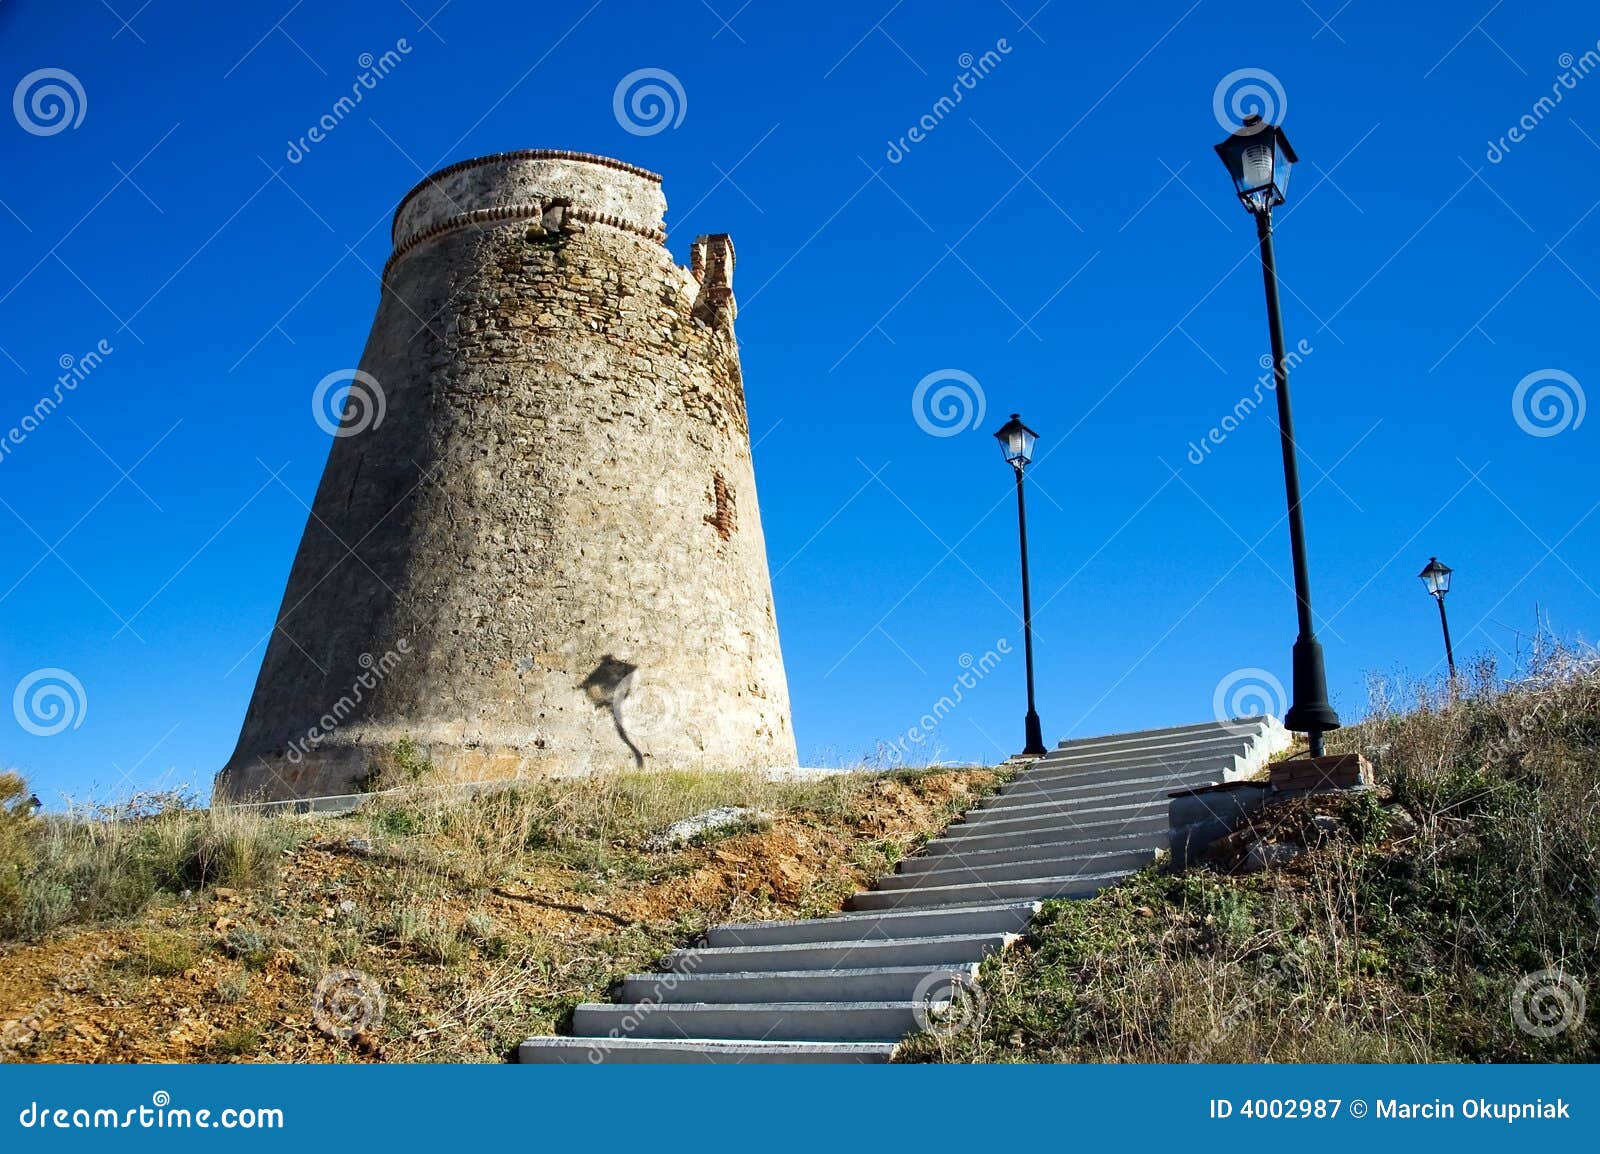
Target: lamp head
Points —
{"points": [[1258, 157]]}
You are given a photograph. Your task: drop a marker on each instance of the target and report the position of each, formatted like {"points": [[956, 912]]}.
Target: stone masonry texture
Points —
{"points": [[546, 556]]}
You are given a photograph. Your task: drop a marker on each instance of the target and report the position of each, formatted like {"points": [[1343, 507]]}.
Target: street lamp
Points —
{"points": [[1436, 577], [1258, 157], [1016, 444]]}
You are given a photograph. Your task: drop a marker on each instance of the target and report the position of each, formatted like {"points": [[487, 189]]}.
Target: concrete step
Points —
{"points": [[880, 984], [1134, 755], [1141, 734], [696, 1051], [1024, 865], [1087, 809], [1007, 918], [1155, 787], [1154, 790], [1135, 743], [1056, 826], [1135, 771], [1149, 777], [757, 1021], [1074, 809], [1036, 888], [935, 950], [1010, 846]]}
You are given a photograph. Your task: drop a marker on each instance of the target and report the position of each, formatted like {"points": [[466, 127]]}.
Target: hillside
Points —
{"points": [[438, 927], [1453, 915], [1450, 915]]}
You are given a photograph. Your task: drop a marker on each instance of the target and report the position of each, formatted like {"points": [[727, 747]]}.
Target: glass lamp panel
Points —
{"points": [[1257, 161], [1436, 577], [1281, 168]]}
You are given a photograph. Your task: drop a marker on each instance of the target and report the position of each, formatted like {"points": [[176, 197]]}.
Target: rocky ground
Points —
{"points": [[431, 941]]}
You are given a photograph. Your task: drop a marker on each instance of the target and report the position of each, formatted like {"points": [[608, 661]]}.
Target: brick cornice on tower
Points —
{"points": [[514, 155], [552, 216]]}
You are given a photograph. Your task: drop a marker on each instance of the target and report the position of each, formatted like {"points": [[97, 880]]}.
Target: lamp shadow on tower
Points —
{"points": [[608, 687]]}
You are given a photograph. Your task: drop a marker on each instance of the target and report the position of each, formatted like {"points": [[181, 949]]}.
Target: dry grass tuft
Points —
{"points": [[157, 931], [1436, 920]]}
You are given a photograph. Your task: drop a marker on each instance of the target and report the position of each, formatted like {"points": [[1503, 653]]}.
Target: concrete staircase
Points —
{"points": [[847, 988]]}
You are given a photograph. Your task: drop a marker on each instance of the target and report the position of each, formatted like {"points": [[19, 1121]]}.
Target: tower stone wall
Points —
{"points": [[540, 550]]}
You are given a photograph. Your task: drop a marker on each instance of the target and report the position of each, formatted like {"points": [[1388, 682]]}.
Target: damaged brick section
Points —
{"points": [[725, 515]]}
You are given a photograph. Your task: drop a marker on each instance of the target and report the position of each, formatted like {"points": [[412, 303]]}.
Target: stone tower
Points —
{"points": [[536, 545]]}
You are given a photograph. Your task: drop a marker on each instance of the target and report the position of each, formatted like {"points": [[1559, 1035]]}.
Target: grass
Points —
{"points": [[108, 862], [1450, 916], [104, 863], [188, 934]]}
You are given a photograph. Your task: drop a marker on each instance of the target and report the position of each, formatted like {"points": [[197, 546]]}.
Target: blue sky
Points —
{"points": [[1065, 236]]}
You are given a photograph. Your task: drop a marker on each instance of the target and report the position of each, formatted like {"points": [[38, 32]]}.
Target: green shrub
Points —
{"points": [[18, 843], [107, 862]]}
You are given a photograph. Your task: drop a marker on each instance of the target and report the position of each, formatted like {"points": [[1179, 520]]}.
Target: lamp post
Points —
{"points": [[1436, 577], [1016, 443], [1258, 157]]}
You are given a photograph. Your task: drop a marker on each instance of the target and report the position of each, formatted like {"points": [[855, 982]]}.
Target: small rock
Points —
{"points": [[347, 906], [685, 831], [1401, 823], [359, 846], [1263, 855]]}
